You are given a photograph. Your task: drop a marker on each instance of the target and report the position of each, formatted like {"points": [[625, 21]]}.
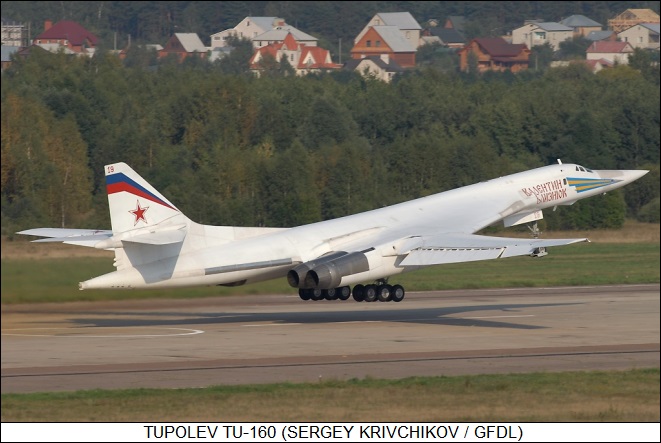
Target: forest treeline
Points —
{"points": [[280, 150]]}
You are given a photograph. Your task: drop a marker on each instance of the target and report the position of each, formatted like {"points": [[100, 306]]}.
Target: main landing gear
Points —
{"points": [[380, 291], [535, 232]]}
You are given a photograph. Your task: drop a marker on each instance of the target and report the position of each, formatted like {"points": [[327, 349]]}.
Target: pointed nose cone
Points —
{"points": [[622, 177]]}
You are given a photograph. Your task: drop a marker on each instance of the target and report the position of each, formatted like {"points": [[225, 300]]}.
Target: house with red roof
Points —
{"points": [[615, 52], [67, 34], [303, 58], [494, 54], [385, 40]]}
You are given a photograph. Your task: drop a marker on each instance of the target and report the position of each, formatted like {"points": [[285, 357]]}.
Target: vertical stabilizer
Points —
{"points": [[134, 203]]}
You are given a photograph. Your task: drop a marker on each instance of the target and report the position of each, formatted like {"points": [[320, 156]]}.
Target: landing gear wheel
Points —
{"points": [[359, 292], [330, 294], [344, 293], [397, 293], [304, 294], [316, 294], [384, 292], [370, 293]]}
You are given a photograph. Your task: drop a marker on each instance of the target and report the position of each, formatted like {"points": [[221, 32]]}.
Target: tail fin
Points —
{"points": [[134, 203]]}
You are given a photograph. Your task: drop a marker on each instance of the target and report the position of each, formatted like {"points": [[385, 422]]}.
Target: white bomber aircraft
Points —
{"points": [[157, 246]]}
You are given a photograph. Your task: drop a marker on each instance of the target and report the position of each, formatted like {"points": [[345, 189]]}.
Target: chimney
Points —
{"points": [[47, 25]]}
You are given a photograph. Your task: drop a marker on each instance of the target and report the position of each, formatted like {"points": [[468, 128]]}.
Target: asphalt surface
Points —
{"points": [[280, 338]]}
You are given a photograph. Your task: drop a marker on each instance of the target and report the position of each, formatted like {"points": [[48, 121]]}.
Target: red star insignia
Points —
{"points": [[139, 213]]}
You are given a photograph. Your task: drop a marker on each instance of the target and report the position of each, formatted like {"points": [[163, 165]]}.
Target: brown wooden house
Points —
{"points": [[494, 54], [385, 40], [184, 45]]}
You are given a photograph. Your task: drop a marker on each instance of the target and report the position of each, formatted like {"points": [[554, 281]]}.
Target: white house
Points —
{"points": [[379, 67], [533, 34], [278, 35], [404, 21], [248, 28], [642, 35], [262, 31], [616, 52]]}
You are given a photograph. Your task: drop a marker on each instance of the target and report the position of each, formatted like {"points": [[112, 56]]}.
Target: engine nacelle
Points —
{"points": [[296, 277], [328, 274]]}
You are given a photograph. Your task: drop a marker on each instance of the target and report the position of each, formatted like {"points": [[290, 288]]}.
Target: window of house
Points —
{"points": [[640, 39], [408, 34], [218, 38], [291, 57], [540, 35], [248, 23], [369, 43], [378, 43]]}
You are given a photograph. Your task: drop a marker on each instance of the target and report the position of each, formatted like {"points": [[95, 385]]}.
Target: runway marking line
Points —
{"points": [[499, 316], [191, 332]]}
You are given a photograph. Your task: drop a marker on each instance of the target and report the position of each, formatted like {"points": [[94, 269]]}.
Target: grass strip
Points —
{"points": [[56, 280], [594, 396]]}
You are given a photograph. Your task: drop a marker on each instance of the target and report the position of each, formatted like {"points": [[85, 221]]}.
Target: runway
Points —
{"points": [[279, 338]]}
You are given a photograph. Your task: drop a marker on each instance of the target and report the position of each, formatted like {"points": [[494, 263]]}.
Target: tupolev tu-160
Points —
{"points": [[157, 246]]}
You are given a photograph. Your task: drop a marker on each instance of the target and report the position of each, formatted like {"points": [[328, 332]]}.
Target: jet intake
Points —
{"points": [[329, 274], [296, 277]]}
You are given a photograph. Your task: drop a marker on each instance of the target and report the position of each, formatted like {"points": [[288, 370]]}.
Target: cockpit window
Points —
{"points": [[589, 170], [582, 168]]}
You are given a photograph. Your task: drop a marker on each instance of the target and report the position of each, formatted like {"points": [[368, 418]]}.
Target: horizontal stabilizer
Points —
{"points": [[464, 248], [79, 237]]}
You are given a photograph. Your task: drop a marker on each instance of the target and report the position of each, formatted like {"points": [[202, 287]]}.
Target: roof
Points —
{"points": [[448, 35], [654, 27], [599, 35], [579, 21], [552, 26], [191, 42], [264, 22], [641, 14], [458, 22], [9, 22], [279, 34], [609, 47], [69, 30], [392, 36], [391, 66], [498, 47], [319, 57], [8, 51], [403, 20]]}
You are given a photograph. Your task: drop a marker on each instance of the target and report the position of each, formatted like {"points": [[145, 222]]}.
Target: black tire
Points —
{"points": [[397, 294], [304, 294], [344, 293], [370, 293], [384, 292], [358, 293], [316, 294], [330, 294]]}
